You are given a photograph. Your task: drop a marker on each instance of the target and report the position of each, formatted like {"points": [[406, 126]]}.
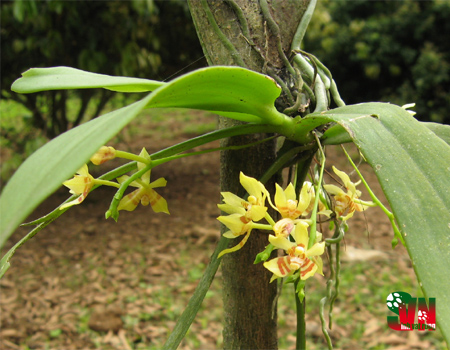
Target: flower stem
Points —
{"points": [[177, 156], [301, 323], [131, 156], [270, 220], [313, 227], [261, 226], [106, 183]]}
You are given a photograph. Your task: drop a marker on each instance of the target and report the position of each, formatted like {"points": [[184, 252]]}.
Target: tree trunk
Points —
{"points": [[242, 33]]}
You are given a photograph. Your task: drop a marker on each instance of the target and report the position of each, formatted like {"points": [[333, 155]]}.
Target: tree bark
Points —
{"points": [[241, 33]]}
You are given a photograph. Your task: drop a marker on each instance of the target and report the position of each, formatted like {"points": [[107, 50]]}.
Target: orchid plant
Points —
{"points": [[416, 181]]}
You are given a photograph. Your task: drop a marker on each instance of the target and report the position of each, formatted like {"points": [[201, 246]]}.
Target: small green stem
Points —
{"points": [[368, 204], [262, 226], [112, 211], [168, 159], [270, 220], [301, 322], [106, 183], [313, 227], [237, 130], [336, 284], [131, 156]]}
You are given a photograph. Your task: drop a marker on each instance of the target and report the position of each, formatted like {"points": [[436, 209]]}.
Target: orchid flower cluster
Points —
{"points": [[302, 250], [83, 182]]}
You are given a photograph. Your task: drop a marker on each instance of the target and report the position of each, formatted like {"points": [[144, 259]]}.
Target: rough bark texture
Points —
{"points": [[249, 322]]}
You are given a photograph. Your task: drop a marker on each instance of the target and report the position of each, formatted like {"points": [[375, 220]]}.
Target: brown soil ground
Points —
{"points": [[89, 283]]}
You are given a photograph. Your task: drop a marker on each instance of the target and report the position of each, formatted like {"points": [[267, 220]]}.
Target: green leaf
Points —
{"points": [[232, 91], [337, 134], [441, 130], [58, 78], [413, 167]]}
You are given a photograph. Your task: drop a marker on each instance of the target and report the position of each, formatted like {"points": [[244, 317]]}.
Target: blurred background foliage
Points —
{"points": [[140, 38], [392, 51], [132, 38], [396, 51]]}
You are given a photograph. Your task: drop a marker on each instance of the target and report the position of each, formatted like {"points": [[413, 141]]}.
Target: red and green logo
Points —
{"points": [[404, 306]]}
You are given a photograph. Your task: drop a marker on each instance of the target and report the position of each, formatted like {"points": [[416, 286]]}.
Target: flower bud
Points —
{"points": [[104, 154]]}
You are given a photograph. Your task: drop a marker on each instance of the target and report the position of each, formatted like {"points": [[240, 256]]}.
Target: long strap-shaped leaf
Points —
{"points": [[413, 167], [58, 78]]}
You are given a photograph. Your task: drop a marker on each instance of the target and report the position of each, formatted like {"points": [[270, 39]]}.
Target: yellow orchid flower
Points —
{"points": [[288, 206], [80, 184], [299, 257], [243, 213], [104, 154], [286, 200], [145, 194], [346, 202]]}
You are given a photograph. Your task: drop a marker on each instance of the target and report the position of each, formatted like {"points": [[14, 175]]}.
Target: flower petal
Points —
{"points": [[230, 209], [333, 190], [300, 234], [308, 269], [229, 234], [281, 242], [253, 187], [316, 250], [236, 247], [319, 263], [76, 201], [280, 197], [131, 200], [306, 194], [235, 223], [233, 204], [83, 170], [146, 177], [350, 186], [161, 182], [257, 212], [290, 192], [158, 203], [279, 266], [124, 178]]}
